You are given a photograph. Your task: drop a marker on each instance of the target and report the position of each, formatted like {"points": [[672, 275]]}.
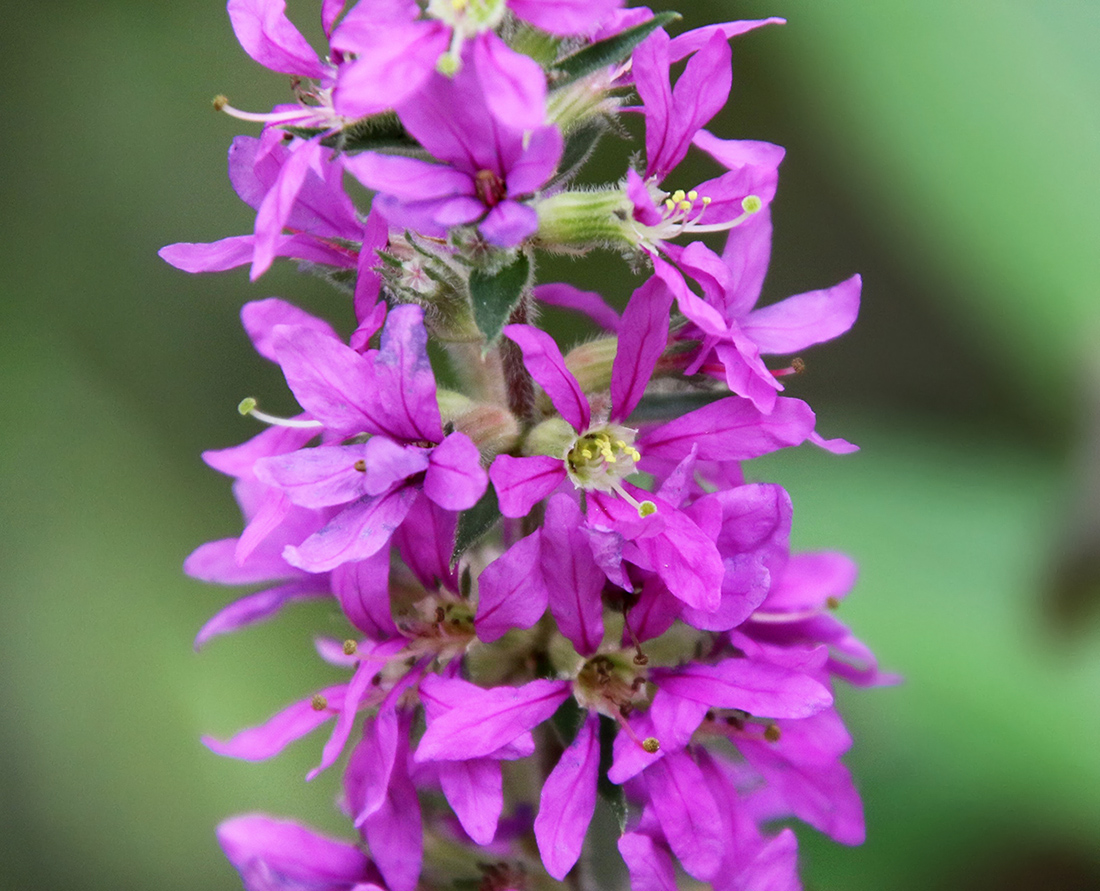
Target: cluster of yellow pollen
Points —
{"points": [[683, 202], [602, 459], [603, 445]]}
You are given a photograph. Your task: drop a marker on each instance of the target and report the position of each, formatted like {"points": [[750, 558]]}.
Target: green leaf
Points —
{"points": [[495, 295], [607, 52], [609, 792], [578, 148], [475, 522]]}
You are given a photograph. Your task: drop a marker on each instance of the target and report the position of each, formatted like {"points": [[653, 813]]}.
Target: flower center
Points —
{"points": [[490, 188], [601, 459], [466, 18], [683, 213]]}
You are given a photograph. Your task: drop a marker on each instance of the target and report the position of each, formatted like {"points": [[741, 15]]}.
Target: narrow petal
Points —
{"points": [[268, 37], [573, 580], [275, 734], [650, 865], [318, 477], [403, 380], [537, 163], [805, 319], [393, 62], [568, 801], [394, 832], [588, 302], [509, 223], [514, 84], [690, 41], [564, 16], [544, 360], [409, 179], [259, 606], [808, 579], [278, 204], [643, 336]]}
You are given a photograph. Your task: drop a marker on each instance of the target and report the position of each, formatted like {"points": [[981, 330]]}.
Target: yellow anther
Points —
{"points": [[772, 733], [318, 703], [684, 205], [447, 64], [669, 203], [679, 195], [692, 195], [459, 5], [219, 102], [651, 744], [751, 204], [247, 406], [707, 200], [350, 647], [586, 453], [647, 509]]}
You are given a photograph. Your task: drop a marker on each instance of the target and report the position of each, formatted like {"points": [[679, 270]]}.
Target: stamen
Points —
{"points": [[318, 703], [350, 647], [650, 744], [772, 733], [248, 407]]}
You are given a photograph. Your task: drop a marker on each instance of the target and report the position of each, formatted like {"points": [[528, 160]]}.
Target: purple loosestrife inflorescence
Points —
{"points": [[558, 586]]}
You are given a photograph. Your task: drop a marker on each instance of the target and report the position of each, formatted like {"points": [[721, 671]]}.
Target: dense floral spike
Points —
{"points": [[556, 560]]}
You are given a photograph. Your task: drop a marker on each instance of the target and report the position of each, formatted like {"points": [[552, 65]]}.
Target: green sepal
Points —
{"points": [[476, 522], [495, 294], [380, 131], [609, 792], [606, 52]]}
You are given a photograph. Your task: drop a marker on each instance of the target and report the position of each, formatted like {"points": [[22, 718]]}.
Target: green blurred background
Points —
{"points": [[949, 150]]}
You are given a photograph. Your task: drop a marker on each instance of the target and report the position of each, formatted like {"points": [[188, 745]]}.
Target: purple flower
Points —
{"points": [[389, 396], [488, 167]]}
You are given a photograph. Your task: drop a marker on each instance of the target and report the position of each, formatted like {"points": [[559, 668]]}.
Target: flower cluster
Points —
{"points": [[559, 587]]}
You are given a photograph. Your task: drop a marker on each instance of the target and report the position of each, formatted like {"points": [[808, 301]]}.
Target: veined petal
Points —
{"points": [[260, 606], [355, 533], [409, 179], [650, 865], [687, 812], [509, 223], [393, 62], [403, 380], [564, 16], [261, 316], [278, 203], [490, 719], [318, 477], [521, 483], [572, 578], [537, 163], [293, 852], [568, 801], [808, 579], [363, 589], [690, 41], [543, 359], [643, 336]]}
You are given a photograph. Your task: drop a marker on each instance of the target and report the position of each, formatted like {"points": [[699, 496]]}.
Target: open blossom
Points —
{"points": [[555, 578]]}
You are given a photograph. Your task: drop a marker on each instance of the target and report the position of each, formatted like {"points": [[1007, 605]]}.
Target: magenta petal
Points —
{"points": [[393, 62], [409, 179], [650, 865], [690, 41], [279, 731], [268, 37], [514, 84], [510, 595], [278, 203], [775, 866], [731, 429], [404, 384], [568, 801], [319, 477], [455, 479], [572, 577], [259, 606], [363, 589], [643, 336], [291, 852], [509, 223], [261, 316], [394, 832], [755, 687], [475, 791], [805, 319], [490, 719], [537, 162], [588, 302], [733, 153], [354, 694], [356, 533], [544, 360], [564, 16], [687, 812], [808, 579], [521, 483], [216, 256], [371, 764]]}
